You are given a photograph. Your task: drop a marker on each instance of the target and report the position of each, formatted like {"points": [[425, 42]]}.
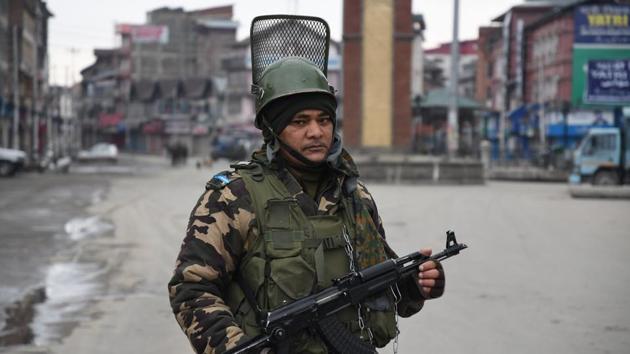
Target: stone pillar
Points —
{"points": [[378, 37]]}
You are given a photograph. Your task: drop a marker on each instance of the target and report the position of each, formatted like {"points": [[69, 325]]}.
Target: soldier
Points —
{"points": [[281, 226]]}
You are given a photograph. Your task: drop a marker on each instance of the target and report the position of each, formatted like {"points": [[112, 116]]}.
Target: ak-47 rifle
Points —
{"points": [[318, 310]]}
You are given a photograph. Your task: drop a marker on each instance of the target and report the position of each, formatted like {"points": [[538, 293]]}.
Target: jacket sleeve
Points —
{"points": [[412, 301], [215, 240]]}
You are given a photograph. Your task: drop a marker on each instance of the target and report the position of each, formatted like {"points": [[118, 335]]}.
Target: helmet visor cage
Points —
{"points": [[276, 37]]}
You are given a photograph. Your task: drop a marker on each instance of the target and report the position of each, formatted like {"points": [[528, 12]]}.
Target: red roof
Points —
{"points": [[468, 47]]}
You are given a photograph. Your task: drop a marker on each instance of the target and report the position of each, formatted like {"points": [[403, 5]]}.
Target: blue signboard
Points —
{"points": [[608, 81], [604, 24]]}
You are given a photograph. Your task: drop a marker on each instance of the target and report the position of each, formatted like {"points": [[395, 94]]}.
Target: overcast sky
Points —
{"points": [[79, 26]]}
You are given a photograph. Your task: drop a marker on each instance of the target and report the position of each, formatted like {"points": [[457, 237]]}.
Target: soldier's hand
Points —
{"points": [[431, 278]]}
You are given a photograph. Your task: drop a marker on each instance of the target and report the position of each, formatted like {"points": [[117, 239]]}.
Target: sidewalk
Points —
{"points": [[607, 192], [526, 173]]}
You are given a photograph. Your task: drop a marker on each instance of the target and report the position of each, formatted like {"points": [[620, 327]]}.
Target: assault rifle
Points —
{"points": [[317, 310]]}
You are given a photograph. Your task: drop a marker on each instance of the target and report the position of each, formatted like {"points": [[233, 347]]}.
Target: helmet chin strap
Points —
{"points": [[295, 154]]}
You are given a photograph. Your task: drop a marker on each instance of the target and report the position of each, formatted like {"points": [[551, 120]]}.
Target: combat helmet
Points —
{"points": [[286, 77], [289, 57]]}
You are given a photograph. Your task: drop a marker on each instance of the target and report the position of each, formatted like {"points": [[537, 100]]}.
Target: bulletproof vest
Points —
{"points": [[294, 255]]}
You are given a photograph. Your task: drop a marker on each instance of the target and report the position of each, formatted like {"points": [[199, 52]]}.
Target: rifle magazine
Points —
{"points": [[340, 340]]}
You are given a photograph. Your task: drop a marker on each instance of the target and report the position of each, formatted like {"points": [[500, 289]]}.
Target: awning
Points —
{"points": [[573, 131], [440, 98], [518, 113]]}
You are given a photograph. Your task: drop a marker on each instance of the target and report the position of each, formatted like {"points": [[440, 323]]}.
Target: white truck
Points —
{"points": [[603, 157]]}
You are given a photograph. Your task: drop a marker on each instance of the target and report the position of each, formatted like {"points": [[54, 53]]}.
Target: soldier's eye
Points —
{"points": [[324, 120]]}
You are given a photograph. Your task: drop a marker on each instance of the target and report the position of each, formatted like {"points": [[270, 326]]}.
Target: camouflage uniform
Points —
{"points": [[221, 230]]}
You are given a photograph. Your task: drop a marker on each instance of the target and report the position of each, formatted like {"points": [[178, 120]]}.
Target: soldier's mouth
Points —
{"points": [[315, 148]]}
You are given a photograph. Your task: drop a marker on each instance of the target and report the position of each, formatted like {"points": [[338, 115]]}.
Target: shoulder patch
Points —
{"points": [[222, 179]]}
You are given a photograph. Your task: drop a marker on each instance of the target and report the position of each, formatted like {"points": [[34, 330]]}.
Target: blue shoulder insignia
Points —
{"points": [[221, 180]]}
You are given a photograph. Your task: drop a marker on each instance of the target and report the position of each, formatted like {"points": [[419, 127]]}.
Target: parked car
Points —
{"points": [[101, 152], [235, 143], [11, 160]]}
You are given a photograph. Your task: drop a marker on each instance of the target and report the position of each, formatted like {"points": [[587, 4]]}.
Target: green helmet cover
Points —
{"points": [[288, 76]]}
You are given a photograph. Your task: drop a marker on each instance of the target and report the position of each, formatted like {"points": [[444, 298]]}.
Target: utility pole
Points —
{"points": [[34, 106], [541, 103], [452, 124], [16, 91], [505, 89]]}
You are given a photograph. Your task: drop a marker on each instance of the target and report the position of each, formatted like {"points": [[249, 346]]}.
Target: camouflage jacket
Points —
{"points": [[221, 229]]}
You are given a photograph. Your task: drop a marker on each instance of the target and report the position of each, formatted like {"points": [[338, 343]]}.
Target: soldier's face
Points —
{"points": [[310, 133]]}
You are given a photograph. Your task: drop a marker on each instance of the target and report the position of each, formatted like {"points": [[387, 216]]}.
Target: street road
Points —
{"points": [[544, 273]]}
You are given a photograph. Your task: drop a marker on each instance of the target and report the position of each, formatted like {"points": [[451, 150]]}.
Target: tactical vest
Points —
{"points": [[294, 255]]}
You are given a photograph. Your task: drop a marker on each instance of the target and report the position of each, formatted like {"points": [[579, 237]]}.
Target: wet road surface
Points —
{"points": [[46, 282], [544, 273]]}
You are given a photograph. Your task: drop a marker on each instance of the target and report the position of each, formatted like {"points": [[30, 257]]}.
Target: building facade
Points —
{"points": [[501, 78], [440, 57], [23, 74], [164, 84], [533, 74]]}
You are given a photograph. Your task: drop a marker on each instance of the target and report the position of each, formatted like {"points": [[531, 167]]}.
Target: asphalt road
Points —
{"points": [[544, 273]]}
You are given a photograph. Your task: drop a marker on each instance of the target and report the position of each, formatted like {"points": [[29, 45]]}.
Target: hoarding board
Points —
{"points": [[594, 73], [602, 24], [608, 81]]}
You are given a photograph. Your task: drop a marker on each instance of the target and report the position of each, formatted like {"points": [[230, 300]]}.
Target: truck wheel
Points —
{"points": [[6, 169], [605, 178]]}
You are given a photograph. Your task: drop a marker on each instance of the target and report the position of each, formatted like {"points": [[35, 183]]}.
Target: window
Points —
{"points": [[234, 105], [600, 143]]}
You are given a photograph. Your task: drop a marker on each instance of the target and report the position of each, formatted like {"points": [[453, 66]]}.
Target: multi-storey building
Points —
{"points": [[23, 74], [501, 76], [440, 57], [533, 65], [65, 135], [102, 100], [6, 105], [163, 84], [561, 50]]}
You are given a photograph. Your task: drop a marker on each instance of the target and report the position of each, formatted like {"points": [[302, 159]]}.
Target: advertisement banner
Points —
{"points": [[602, 24], [599, 84], [144, 33], [608, 81]]}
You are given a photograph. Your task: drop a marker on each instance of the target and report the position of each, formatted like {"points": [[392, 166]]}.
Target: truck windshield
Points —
{"points": [[603, 142]]}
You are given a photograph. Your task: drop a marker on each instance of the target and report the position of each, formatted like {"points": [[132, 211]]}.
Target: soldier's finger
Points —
{"points": [[431, 283], [426, 292], [426, 283], [429, 274], [427, 265], [426, 251]]}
